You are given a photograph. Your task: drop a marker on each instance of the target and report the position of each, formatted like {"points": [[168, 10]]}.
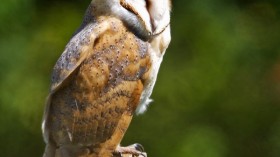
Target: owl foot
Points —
{"points": [[134, 150]]}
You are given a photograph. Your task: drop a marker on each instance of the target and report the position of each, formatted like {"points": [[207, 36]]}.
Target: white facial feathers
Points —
{"points": [[139, 7], [154, 13], [160, 14]]}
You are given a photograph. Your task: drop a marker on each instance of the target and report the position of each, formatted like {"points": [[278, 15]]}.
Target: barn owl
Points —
{"points": [[105, 75]]}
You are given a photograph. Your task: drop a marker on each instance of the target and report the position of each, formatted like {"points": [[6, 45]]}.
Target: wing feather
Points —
{"points": [[74, 54]]}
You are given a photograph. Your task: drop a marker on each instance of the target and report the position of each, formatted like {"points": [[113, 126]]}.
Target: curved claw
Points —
{"points": [[139, 147]]}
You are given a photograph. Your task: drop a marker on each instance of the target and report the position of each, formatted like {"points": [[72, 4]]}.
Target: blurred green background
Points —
{"points": [[217, 94]]}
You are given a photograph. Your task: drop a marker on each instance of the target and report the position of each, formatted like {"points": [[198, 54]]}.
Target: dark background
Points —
{"points": [[217, 94]]}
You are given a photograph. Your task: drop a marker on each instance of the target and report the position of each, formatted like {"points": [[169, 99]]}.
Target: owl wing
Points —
{"points": [[74, 54], [96, 87]]}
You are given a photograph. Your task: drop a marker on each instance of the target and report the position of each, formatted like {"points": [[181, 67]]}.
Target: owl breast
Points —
{"points": [[95, 105]]}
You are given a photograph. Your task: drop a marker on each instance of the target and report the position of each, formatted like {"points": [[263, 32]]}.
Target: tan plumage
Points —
{"points": [[105, 74]]}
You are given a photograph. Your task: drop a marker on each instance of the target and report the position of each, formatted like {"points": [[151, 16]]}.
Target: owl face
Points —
{"points": [[144, 18], [155, 14]]}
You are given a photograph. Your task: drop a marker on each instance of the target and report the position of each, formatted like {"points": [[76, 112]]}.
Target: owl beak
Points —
{"points": [[139, 8]]}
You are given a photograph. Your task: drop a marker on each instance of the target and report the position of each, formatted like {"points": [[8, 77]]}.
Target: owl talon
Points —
{"points": [[134, 150], [139, 147]]}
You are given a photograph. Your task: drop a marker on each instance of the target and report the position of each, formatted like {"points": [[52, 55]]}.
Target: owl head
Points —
{"points": [[146, 18]]}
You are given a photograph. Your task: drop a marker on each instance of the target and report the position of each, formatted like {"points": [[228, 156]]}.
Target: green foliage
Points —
{"points": [[217, 92]]}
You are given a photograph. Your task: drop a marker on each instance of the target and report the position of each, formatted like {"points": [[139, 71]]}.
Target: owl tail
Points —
{"points": [[67, 151]]}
